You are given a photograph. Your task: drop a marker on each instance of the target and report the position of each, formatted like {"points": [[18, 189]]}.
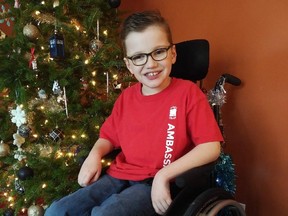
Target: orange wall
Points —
{"points": [[250, 40]]}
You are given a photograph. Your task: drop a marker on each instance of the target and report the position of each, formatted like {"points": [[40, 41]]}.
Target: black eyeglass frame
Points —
{"points": [[150, 54]]}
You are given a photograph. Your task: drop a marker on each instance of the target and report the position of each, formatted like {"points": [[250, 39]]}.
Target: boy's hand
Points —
{"points": [[160, 194], [90, 170]]}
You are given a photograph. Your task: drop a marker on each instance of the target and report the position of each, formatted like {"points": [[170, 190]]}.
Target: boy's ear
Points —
{"points": [[128, 65], [174, 54]]}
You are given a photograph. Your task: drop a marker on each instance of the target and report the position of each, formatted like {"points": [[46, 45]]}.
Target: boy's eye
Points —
{"points": [[139, 57], [159, 52]]}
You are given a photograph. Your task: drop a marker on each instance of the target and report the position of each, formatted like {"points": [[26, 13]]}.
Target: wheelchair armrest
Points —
{"points": [[195, 175]]}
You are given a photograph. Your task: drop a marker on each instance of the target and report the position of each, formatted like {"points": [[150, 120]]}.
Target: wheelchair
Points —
{"points": [[199, 194]]}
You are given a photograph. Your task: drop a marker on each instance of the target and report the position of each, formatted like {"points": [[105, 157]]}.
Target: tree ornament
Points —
{"points": [[35, 210], [57, 46], [31, 31], [19, 154], [56, 135], [45, 150], [18, 116], [56, 88], [117, 85], [4, 149], [18, 140], [32, 61], [56, 3], [61, 98], [24, 130], [114, 3], [2, 35], [95, 45], [42, 94], [18, 187], [25, 173], [17, 4], [9, 212]]}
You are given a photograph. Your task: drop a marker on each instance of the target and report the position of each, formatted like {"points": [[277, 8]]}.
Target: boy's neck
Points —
{"points": [[152, 91]]}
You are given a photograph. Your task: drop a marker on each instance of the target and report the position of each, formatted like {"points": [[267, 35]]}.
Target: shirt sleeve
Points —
{"points": [[109, 128], [201, 120]]}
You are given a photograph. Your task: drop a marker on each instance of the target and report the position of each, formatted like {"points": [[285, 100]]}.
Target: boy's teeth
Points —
{"points": [[152, 74]]}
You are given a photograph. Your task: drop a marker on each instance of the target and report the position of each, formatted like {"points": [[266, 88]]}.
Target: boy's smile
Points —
{"points": [[154, 74]]}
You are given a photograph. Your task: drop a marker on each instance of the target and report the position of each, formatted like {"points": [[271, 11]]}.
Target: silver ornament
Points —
{"points": [[18, 187], [24, 130], [35, 210], [95, 45]]}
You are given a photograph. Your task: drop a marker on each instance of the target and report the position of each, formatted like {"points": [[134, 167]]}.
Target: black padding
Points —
{"points": [[192, 60]]}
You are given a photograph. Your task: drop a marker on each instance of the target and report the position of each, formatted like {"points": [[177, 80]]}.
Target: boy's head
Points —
{"points": [[149, 50], [138, 22]]}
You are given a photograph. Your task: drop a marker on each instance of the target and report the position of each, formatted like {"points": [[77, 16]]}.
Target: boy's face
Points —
{"points": [[154, 75]]}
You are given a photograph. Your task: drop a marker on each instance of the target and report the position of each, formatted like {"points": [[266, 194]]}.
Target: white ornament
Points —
{"points": [[56, 88], [42, 94], [18, 140], [19, 154], [18, 116]]}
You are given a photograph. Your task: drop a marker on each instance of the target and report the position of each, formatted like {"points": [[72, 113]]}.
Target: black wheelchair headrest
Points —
{"points": [[192, 60]]}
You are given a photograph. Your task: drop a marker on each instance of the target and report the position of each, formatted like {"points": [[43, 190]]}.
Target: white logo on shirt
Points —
{"points": [[173, 112]]}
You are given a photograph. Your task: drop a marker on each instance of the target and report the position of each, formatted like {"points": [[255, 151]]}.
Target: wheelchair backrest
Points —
{"points": [[192, 60]]}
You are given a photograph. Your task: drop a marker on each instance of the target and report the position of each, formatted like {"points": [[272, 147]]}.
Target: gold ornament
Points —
{"points": [[4, 149], [35, 210], [31, 31], [44, 18]]}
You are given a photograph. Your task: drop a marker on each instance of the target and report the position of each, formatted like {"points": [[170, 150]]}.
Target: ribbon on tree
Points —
{"points": [[32, 57]]}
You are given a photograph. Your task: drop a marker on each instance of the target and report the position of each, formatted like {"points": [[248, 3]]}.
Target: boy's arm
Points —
{"points": [[91, 168], [200, 155]]}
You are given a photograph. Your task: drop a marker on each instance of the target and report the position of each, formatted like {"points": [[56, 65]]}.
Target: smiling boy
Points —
{"points": [[164, 126]]}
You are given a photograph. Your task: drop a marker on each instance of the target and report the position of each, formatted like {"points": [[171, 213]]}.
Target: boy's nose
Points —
{"points": [[151, 62]]}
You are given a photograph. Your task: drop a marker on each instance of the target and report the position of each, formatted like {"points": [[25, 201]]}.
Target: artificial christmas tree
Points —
{"points": [[60, 73]]}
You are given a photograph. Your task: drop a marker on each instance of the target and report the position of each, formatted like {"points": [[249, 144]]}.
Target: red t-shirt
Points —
{"points": [[155, 130]]}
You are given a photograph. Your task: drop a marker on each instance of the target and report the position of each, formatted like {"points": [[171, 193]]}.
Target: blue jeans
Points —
{"points": [[106, 197]]}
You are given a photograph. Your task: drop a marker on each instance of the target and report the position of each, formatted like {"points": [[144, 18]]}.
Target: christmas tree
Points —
{"points": [[60, 73]]}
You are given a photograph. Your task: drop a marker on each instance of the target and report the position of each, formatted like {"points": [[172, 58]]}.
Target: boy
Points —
{"points": [[164, 126]]}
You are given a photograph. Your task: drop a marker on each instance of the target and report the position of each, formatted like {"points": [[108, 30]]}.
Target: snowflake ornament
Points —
{"points": [[18, 116], [19, 154]]}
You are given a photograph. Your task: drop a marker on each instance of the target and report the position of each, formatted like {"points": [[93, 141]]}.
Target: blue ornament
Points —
{"points": [[114, 3], [25, 173], [57, 46], [8, 212]]}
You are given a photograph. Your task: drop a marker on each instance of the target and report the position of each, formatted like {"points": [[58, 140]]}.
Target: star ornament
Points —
{"points": [[18, 140], [18, 116]]}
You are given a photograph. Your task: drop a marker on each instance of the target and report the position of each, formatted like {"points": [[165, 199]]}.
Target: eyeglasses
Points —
{"points": [[157, 55]]}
